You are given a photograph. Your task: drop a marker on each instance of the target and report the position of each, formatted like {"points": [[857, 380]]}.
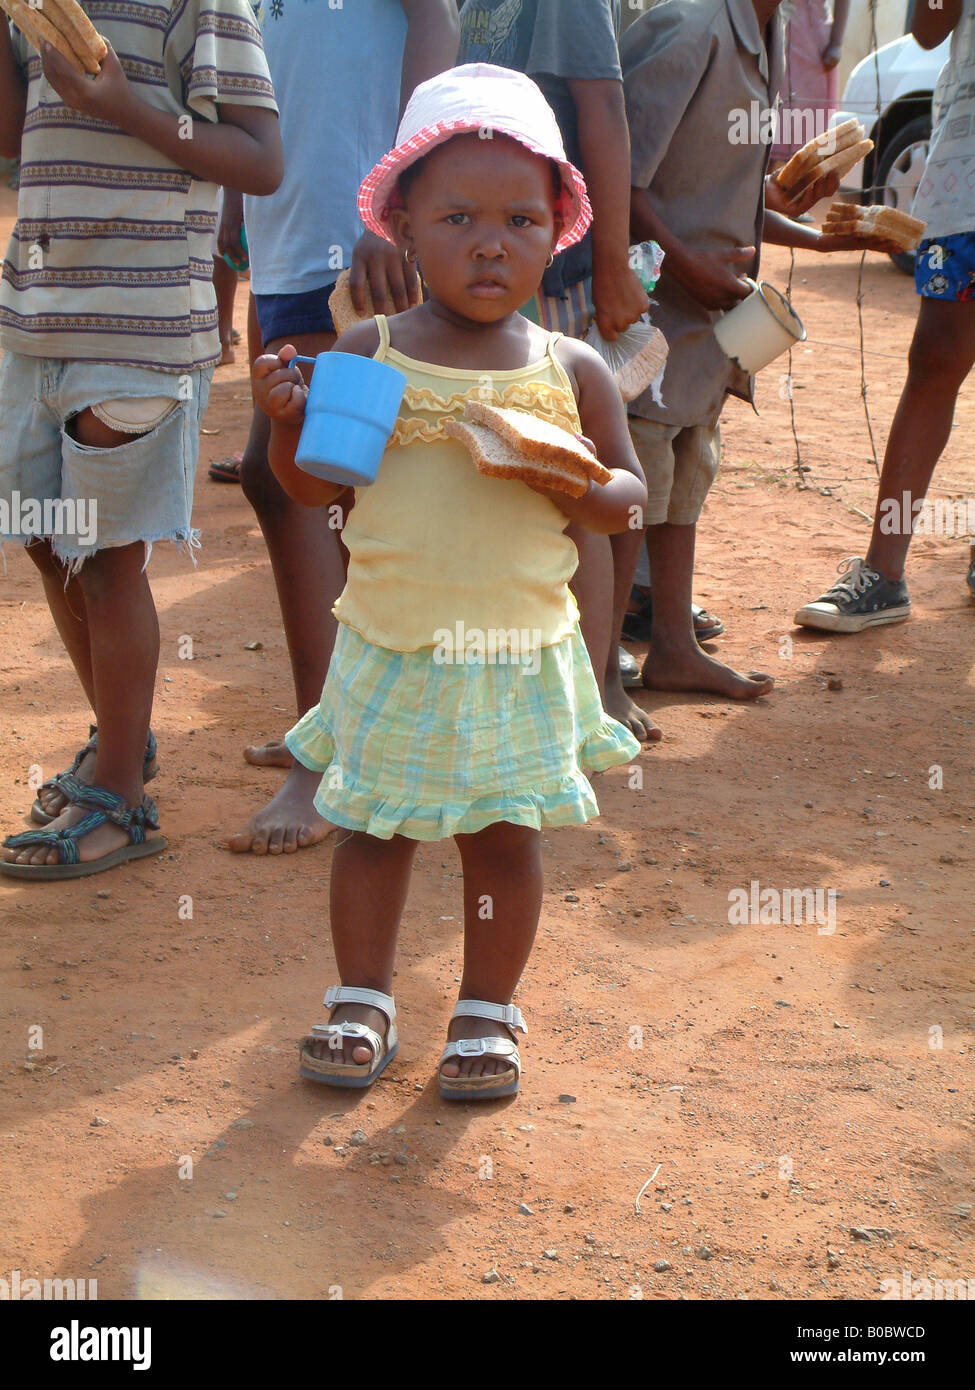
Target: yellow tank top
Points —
{"points": [[435, 546]]}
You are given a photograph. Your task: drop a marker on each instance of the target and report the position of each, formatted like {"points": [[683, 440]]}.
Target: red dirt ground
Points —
{"points": [[790, 1084]]}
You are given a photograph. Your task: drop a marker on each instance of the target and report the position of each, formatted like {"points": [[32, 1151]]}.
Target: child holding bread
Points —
{"points": [[688, 67], [487, 743], [108, 327]]}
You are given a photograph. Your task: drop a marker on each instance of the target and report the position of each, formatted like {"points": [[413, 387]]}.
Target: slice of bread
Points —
{"points": [[537, 441], [820, 147], [639, 371], [37, 29], [497, 459], [841, 163], [86, 42], [340, 306], [876, 221]]}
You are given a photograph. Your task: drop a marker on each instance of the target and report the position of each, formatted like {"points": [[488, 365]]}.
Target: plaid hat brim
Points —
{"points": [[379, 191]]}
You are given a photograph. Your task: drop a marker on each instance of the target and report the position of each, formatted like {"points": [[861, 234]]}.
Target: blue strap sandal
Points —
{"points": [[102, 805], [149, 769]]}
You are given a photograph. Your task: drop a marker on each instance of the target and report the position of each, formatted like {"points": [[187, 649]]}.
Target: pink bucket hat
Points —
{"points": [[477, 96]]}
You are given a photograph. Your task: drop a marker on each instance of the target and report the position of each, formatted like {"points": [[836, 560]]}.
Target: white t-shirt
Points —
{"points": [[946, 194], [336, 71]]}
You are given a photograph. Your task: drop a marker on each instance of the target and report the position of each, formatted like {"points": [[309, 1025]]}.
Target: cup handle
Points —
{"points": [[310, 360]]}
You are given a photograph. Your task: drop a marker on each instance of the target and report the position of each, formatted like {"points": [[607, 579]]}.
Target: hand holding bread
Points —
{"points": [[517, 445], [835, 151], [65, 26], [877, 226]]}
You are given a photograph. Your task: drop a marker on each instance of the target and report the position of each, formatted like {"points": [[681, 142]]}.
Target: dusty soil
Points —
{"points": [[791, 1084]]}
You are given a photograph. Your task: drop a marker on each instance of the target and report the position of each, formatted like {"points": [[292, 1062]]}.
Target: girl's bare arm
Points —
{"points": [[618, 505]]}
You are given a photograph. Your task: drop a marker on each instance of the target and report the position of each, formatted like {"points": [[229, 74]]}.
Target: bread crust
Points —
{"points": [[537, 441], [496, 458], [639, 371], [833, 150], [876, 221], [37, 29], [86, 42], [340, 304]]}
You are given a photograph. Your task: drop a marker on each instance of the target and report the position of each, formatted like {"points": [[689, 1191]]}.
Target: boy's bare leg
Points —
{"points": [[67, 604], [123, 637], [309, 574], [674, 660], [503, 873], [370, 880], [225, 289], [942, 354], [597, 584], [626, 549]]}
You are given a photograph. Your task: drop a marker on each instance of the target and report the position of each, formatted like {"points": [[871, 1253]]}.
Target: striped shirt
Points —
{"points": [[111, 254]]}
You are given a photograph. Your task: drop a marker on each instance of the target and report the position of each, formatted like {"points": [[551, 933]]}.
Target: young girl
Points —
{"points": [[416, 744]]}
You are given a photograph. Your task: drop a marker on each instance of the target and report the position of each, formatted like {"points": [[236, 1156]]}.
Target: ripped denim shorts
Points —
{"points": [[83, 499]]}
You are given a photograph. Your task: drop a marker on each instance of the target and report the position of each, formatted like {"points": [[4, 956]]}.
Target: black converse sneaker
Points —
{"points": [[860, 598]]}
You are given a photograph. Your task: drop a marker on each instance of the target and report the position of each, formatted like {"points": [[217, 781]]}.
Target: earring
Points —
{"points": [[411, 256], [551, 259]]}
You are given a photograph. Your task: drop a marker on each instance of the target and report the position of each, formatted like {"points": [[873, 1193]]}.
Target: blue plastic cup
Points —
{"points": [[351, 409]]}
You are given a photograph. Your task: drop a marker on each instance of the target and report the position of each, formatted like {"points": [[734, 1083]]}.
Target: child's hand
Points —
{"points": [[392, 279], [778, 200], [278, 387], [833, 241], [107, 96], [708, 277]]}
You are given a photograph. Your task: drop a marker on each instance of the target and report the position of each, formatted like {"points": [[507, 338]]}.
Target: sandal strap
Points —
{"points": [[148, 757], [325, 1032], [462, 1049], [134, 820], [112, 806], [354, 994], [507, 1014]]}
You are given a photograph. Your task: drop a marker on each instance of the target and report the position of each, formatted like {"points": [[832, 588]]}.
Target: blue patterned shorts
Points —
{"points": [[945, 267]]}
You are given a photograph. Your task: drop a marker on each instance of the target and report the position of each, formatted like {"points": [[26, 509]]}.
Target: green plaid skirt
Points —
{"points": [[409, 746]]}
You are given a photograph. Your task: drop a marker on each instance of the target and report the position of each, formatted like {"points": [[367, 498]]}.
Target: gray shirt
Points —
{"points": [[689, 68]]}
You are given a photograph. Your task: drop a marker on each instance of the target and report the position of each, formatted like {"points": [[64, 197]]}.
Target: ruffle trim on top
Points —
{"points": [[569, 802], [541, 398]]}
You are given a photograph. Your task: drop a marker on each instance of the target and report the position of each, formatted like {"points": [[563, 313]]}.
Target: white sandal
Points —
{"points": [[504, 1083], [354, 1074]]}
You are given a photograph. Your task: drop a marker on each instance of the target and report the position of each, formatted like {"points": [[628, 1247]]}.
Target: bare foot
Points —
{"points": [[476, 1066], [695, 670], [350, 1053], [288, 822], [273, 754], [95, 845], [630, 715], [227, 355]]}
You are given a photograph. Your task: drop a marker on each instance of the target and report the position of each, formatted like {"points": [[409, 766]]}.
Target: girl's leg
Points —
{"points": [[370, 879], [941, 356], [502, 902]]}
